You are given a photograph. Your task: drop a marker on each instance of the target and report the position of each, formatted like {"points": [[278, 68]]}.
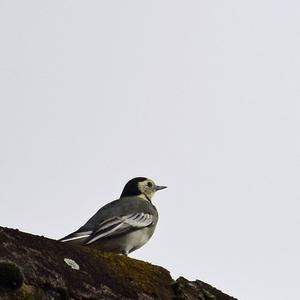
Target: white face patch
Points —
{"points": [[147, 189]]}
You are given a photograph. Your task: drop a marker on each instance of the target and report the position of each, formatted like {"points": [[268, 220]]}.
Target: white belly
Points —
{"points": [[126, 243], [137, 239]]}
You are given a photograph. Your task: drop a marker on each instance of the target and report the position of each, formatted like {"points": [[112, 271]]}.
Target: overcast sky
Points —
{"points": [[201, 96]]}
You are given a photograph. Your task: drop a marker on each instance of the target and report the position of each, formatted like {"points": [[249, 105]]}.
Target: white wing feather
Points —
{"points": [[77, 236]]}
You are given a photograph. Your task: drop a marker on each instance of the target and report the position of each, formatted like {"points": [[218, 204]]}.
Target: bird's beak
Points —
{"points": [[160, 187]]}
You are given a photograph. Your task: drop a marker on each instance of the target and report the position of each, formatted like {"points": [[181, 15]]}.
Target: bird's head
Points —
{"points": [[141, 187]]}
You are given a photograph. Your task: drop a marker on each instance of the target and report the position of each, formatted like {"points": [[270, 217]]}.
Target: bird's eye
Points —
{"points": [[150, 184]]}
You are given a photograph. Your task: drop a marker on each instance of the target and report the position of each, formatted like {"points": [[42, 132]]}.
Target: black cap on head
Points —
{"points": [[131, 187]]}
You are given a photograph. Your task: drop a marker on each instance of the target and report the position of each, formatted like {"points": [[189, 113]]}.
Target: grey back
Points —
{"points": [[121, 207]]}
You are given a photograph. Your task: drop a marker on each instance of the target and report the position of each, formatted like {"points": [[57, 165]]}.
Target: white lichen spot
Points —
{"points": [[73, 264]]}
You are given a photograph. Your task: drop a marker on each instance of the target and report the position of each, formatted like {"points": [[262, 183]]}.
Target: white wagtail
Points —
{"points": [[123, 225]]}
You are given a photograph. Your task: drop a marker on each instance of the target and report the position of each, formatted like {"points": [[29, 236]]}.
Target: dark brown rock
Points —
{"points": [[33, 267], [197, 290]]}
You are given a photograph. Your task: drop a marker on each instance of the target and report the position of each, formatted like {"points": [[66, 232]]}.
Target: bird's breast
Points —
{"points": [[138, 238]]}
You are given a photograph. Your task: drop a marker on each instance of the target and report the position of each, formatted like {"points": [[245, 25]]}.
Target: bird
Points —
{"points": [[123, 225]]}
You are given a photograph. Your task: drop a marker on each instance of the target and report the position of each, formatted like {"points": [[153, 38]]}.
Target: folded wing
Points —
{"points": [[119, 225]]}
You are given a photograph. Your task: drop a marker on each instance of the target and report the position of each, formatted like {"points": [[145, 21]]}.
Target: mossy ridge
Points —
{"points": [[139, 273], [126, 271]]}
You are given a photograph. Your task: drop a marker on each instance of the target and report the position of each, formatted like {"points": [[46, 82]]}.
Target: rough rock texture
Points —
{"points": [[33, 267]]}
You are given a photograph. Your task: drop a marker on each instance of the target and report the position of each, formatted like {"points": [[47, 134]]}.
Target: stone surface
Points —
{"points": [[194, 290], [33, 267]]}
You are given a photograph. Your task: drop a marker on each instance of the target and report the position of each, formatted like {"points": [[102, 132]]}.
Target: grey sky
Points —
{"points": [[201, 96]]}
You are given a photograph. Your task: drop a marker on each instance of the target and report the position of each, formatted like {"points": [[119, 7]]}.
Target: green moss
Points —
{"points": [[10, 276], [127, 271]]}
